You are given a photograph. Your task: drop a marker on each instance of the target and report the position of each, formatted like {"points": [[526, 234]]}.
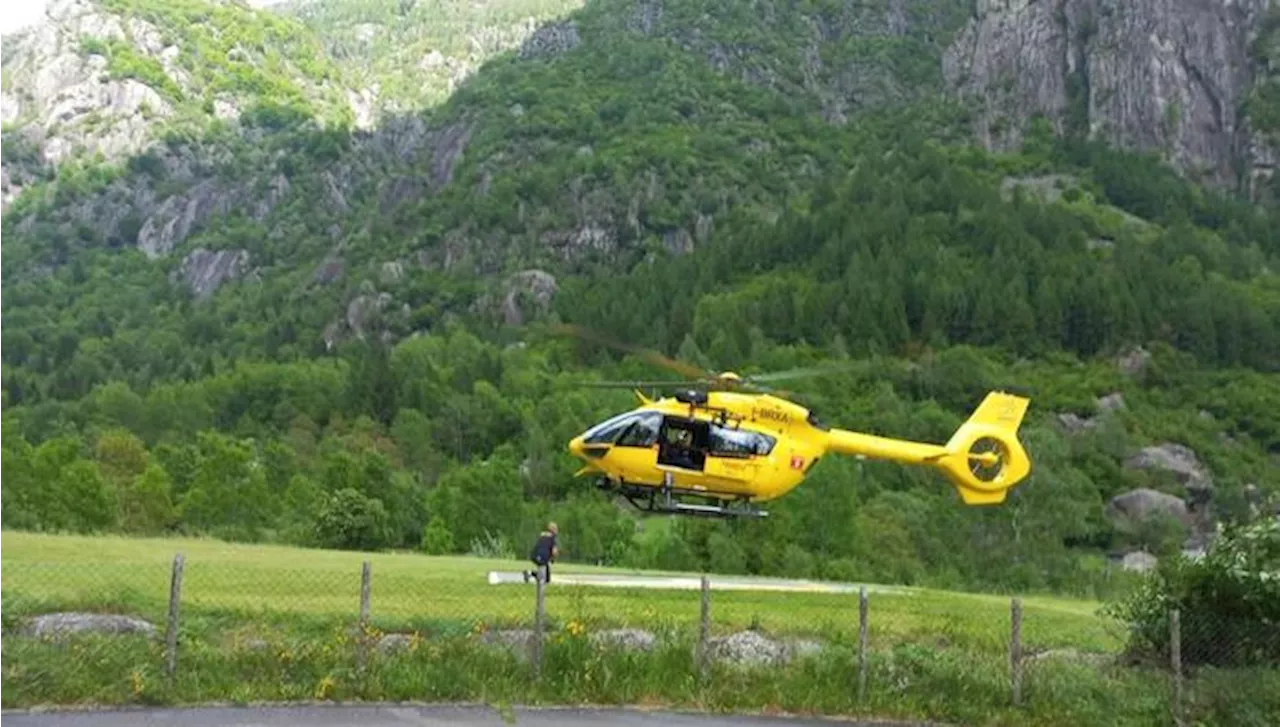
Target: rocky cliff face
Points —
{"points": [[64, 97], [1161, 75], [99, 79]]}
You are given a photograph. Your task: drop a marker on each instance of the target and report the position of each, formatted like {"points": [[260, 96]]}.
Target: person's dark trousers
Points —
{"points": [[542, 570]]}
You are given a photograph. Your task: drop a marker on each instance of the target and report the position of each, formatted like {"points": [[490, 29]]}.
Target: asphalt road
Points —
{"points": [[403, 716], [718, 583]]}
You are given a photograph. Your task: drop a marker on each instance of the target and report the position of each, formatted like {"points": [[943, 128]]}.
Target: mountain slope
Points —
{"points": [[320, 292], [403, 55]]}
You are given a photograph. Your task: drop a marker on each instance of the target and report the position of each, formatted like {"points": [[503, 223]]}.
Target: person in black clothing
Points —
{"points": [[544, 551]]}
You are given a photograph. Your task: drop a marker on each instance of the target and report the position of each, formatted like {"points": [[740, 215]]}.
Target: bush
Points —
{"points": [[436, 538], [349, 520], [1229, 602]]}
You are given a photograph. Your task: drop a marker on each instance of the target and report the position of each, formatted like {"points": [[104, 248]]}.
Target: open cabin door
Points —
{"points": [[682, 443]]}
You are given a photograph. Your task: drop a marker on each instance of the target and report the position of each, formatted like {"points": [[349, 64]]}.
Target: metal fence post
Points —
{"points": [[862, 643], [1015, 650], [366, 586], [704, 630], [539, 621], [1175, 661], [171, 629]]}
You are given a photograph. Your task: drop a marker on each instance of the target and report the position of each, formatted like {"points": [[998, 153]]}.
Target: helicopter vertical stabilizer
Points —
{"points": [[984, 458]]}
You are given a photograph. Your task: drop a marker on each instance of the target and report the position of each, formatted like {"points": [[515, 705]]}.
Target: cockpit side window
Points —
{"points": [[643, 431], [607, 431]]}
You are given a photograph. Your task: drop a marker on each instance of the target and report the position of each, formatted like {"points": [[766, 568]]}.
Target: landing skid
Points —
{"points": [[663, 500]]}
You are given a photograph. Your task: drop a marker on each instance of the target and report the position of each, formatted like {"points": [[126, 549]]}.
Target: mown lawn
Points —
{"points": [[80, 571]]}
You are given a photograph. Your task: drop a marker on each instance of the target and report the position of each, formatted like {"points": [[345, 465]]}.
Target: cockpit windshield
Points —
{"points": [[607, 431]]}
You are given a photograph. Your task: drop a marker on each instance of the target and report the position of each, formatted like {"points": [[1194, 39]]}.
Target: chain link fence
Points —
{"points": [[218, 624]]}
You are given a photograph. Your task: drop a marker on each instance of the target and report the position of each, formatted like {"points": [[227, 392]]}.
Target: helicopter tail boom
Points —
{"points": [[983, 459]]}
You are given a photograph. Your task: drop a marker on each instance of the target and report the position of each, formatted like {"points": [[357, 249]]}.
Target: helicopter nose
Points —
{"points": [[575, 447]]}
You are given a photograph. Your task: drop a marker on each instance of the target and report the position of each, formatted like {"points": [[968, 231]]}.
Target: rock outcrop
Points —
{"points": [[1152, 75], [362, 312], [551, 39], [527, 288], [204, 271], [66, 93]]}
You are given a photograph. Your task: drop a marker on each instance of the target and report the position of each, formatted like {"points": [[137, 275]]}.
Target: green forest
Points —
{"points": [[740, 231]]}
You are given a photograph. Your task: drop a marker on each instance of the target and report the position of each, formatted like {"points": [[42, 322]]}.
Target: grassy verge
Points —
{"points": [[277, 624]]}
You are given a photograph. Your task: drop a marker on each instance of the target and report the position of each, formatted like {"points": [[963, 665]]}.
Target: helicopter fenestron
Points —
{"points": [[731, 443]]}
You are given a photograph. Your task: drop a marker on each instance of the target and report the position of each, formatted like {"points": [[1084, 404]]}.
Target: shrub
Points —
{"points": [[1229, 602], [350, 520]]}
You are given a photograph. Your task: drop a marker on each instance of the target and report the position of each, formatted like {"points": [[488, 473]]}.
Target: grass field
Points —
{"points": [[410, 589], [271, 623]]}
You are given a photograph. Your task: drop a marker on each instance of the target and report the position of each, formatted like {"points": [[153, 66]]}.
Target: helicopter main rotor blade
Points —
{"points": [[778, 393], [799, 373], [648, 354], [640, 384]]}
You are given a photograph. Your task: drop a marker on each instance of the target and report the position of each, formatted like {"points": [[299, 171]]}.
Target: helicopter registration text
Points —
{"points": [[770, 414]]}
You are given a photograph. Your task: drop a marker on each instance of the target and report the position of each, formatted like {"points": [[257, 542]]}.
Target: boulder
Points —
{"points": [[802, 648], [1139, 561], [1111, 402], [1074, 423], [1189, 471], [1137, 505], [627, 639], [518, 641], [747, 648], [1134, 361], [393, 642], [58, 625]]}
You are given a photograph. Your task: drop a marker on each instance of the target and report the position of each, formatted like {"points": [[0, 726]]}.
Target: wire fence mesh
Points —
{"points": [[340, 614]]}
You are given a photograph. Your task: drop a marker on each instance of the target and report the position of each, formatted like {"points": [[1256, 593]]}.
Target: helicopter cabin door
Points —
{"points": [[682, 443]]}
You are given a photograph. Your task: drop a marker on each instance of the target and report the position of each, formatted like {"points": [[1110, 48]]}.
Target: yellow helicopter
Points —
{"points": [[719, 441]]}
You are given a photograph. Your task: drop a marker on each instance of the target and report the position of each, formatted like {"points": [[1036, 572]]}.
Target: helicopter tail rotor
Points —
{"points": [[984, 458]]}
